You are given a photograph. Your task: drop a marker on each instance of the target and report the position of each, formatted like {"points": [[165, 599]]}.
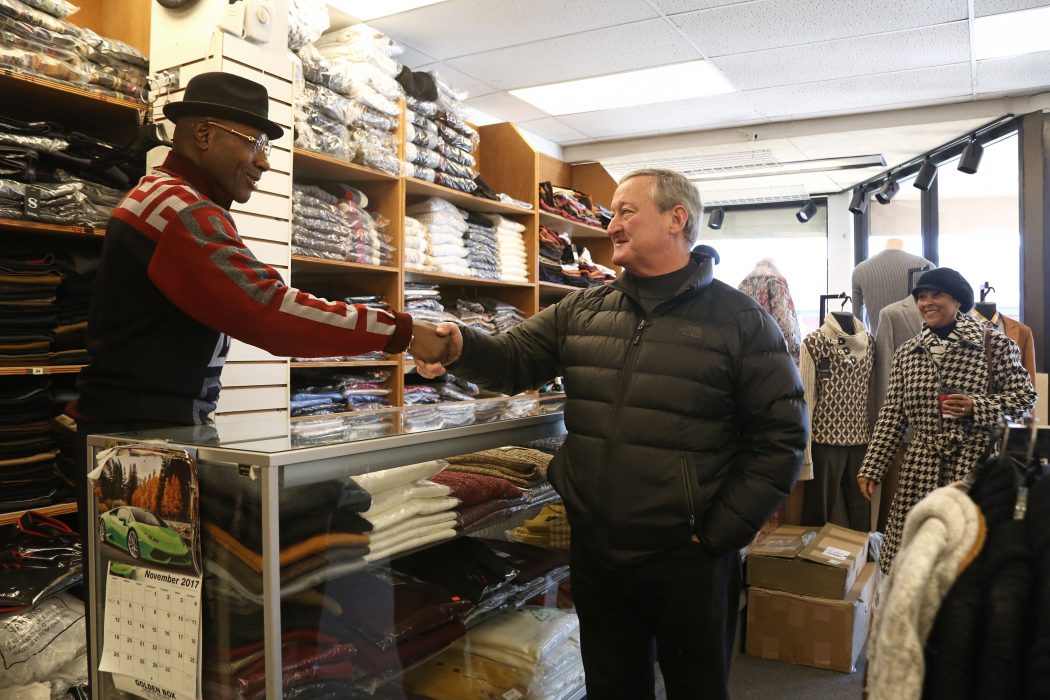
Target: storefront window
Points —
{"points": [[901, 218], [979, 223], [799, 251]]}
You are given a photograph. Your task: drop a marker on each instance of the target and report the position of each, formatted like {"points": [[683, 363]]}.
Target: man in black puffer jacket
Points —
{"points": [[686, 427]]}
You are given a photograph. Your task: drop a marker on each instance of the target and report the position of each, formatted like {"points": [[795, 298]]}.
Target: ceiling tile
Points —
{"points": [[625, 47], [896, 51], [508, 107], [983, 8], [551, 128], [459, 81], [414, 58], [1014, 73], [461, 27], [674, 7], [700, 113], [858, 94], [768, 24]]}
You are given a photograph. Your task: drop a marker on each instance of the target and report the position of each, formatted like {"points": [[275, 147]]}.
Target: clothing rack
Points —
{"points": [[824, 303]]}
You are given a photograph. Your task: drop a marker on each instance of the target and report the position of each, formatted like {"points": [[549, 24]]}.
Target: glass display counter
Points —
{"points": [[324, 559]]}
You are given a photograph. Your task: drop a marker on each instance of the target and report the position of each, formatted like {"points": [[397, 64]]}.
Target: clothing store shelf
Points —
{"points": [[553, 288], [421, 188], [319, 166], [55, 369], [575, 229], [303, 263], [95, 112], [23, 226], [345, 363], [58, 509], [460, 280]]}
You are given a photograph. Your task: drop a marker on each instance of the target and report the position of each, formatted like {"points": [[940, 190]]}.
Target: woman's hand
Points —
{"points": [[867, 486], [958, 405]]}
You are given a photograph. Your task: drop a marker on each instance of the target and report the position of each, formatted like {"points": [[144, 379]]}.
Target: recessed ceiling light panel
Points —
{"points": [[366, 10], [1011, 33]]}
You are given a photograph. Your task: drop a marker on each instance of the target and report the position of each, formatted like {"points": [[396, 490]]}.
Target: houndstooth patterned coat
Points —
{"points": [[942, 450]]}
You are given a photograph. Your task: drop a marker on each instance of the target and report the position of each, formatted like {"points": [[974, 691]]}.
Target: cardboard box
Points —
{"points": [[818, 632], [796, 559]]}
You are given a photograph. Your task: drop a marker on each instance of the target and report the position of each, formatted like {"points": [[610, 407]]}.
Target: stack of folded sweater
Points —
{"points": [[28, 450], [550, 528], [529, 652], [407, 510], [446, 224], [337, 228], [482, 498], [317, 393], [524, 467], [510, 241], [482, 248], [439, 145], [417, 240], [568, 203], [322, 536]]}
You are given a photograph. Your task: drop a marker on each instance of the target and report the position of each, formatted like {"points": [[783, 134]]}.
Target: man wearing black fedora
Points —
{"points": [[176, 281]]}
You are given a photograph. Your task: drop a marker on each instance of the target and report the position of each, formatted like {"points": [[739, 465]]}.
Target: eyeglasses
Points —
{"points": [[260, 143]]}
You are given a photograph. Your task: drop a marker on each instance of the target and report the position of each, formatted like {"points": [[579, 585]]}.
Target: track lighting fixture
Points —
{"points": [[807, 212], [718, 214], [886, 192], [859, 203], [926, 175], [971, 157]]}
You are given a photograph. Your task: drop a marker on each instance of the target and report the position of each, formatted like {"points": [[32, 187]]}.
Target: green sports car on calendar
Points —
{"points": [[143, 535]]}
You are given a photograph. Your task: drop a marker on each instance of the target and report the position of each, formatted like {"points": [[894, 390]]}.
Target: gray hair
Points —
{"points": [[671, 188]]}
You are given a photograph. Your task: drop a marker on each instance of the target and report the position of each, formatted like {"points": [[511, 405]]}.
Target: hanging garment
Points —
{"points": [[881, 280], [769, 288], [1017, 332]]}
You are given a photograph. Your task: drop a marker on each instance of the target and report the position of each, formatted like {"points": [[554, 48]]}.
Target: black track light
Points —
{"points": [[886, 192], [926, 175], [971, 157], [807, 212], [859, 204], [718, 215]]}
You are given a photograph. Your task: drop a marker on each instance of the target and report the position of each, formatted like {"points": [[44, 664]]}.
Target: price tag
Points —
{"points": [[37, 370], [31, 203]]}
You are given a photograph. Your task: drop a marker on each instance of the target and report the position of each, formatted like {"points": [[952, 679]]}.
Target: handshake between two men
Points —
{"points": [[434, 346]]}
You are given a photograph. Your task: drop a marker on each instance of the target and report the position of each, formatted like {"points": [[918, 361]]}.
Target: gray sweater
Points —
{"points": [[881, 280]]}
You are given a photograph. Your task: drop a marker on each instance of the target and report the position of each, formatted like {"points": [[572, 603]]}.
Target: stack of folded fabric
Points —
{"points": [[337, 228], [29, 286], [482, 249], [503, 315], [28, 450], [417, 240], [511, 244], [407, 510], [39, 40], [474, 315], [550, 529], [568, 203], [529, 652], [375, 301], [446, 224], [317, 393], [423, 302], [482, 499], [350, 106], [540, 570], [322, 536], [521, 466], [328, 430]]}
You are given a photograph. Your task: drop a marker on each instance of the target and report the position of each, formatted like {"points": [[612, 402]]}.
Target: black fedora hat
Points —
{"points": [[226, 96]]}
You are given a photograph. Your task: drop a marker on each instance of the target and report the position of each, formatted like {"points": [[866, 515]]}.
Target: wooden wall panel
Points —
{"points": [[127, 20], [595, 180]]}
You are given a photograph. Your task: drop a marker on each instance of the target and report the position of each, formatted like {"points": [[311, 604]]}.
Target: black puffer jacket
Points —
{"points": [[688, 421]]}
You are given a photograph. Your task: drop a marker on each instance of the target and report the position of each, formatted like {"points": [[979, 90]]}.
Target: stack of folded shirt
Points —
{"points": [[329, 430], [529, 652], [446, 224], [322, 535], [316, 393], [439, 144], [482, 249], [476, 316], [423, 302], [375, 301], [407, 510], [503, 315], [28, 450], [350, 104], [555, 250], [336, 228], [417, 240], [511, 243], [568, 203]]}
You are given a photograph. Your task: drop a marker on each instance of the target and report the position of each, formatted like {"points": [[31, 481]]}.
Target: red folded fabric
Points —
{"points": [[472, 489]]}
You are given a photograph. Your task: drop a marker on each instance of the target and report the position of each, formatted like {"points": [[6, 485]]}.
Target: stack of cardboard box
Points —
{"points": [[810, 596]]}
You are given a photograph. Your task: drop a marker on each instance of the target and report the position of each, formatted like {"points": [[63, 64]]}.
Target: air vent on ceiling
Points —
{"points": [[724, 197]]}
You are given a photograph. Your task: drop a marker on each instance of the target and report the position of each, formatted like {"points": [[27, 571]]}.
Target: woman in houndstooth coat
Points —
{"points": [[941, 390]]}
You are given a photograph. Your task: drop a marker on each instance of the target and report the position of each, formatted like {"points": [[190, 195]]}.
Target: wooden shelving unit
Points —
{"points": [[59, 509], [9, 226], [421, 188], [459, 280], [345, 363], [304, 263], [43, 369], [311, 165], [575, 229]]}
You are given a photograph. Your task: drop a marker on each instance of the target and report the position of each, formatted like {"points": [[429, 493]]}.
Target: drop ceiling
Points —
{"points": [[801, 68]]}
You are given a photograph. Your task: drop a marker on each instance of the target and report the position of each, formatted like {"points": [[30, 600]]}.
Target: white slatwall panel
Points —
{"points": [[256, 398], [246, 374]]}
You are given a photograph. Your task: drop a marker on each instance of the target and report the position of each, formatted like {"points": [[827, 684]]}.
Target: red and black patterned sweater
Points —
{"points": [[175, 283]]}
